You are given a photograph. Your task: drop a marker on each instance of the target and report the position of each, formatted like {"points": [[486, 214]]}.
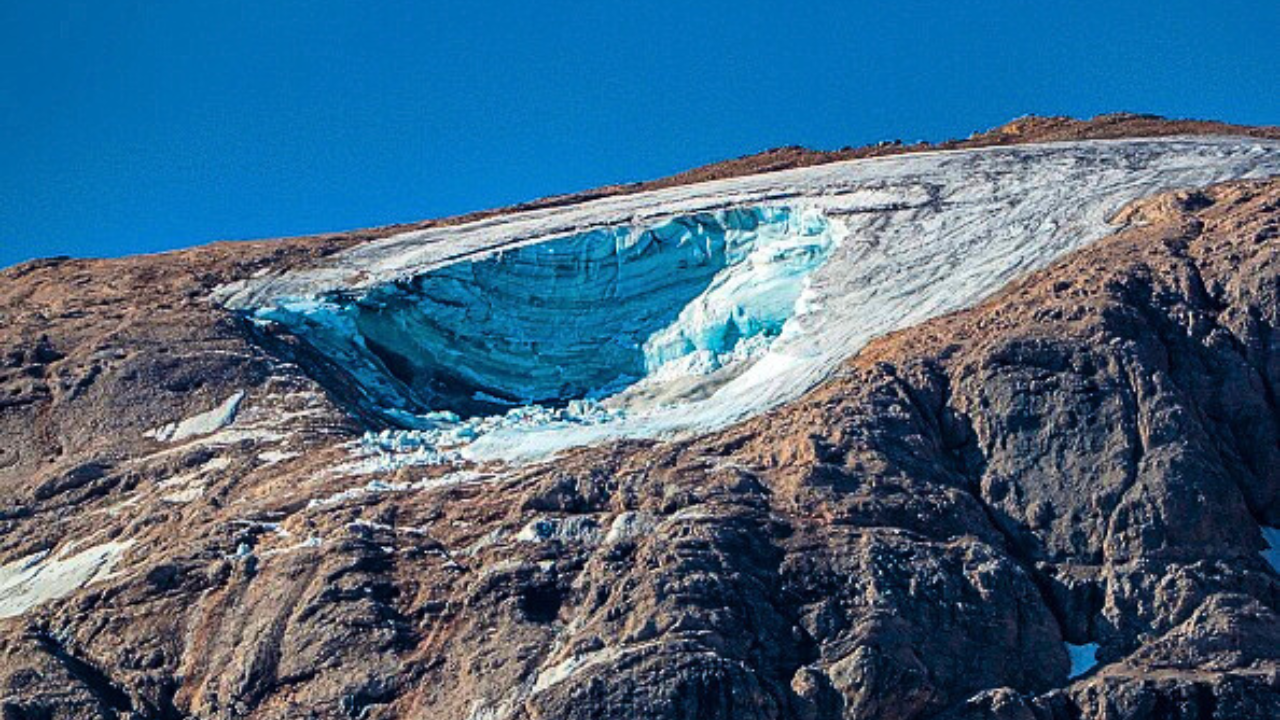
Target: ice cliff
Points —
{"points": [[578, 317], [682, 310]]}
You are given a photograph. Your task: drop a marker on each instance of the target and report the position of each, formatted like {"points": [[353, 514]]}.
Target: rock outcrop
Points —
{"points": [[1086, 459]]}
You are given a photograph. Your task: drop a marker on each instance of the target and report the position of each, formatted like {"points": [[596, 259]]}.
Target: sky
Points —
{"points": [[140, 126]]}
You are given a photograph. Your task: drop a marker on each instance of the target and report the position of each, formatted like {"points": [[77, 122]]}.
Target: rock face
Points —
{"points": [[1083, 465]]}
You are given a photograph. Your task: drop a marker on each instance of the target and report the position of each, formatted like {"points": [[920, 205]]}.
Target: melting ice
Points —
{"points": [[580, 330]]}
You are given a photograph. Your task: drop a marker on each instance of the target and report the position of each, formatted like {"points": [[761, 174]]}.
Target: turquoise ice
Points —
{"points": [[584, 316]]}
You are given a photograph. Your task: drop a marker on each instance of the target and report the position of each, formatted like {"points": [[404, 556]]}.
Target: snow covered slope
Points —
{"points": [[685, 309]]}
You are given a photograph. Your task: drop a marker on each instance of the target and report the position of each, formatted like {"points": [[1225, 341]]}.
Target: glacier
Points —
{"points": [[682, 310]]}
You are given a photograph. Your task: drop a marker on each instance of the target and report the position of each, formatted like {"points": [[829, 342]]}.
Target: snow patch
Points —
{"points": [[38, 578], [310, 543], [206, 423], [573, 665], [214, 465], [272, 457], [629, 526], [184, 496], [190, 486]]}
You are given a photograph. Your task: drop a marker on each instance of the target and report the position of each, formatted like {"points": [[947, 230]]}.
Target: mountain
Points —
{"points": [[983, 429]]}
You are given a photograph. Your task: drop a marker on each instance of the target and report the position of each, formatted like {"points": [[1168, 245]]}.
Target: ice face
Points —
{"points": [[685, 309], [753, 299], [580, 317]]}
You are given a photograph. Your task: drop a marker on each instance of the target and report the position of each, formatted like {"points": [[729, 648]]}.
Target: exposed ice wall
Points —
{"points": [[584, 316], [902, 239]]}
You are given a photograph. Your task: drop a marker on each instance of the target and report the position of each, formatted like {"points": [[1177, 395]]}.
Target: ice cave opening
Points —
{"points": [[615, 318]]}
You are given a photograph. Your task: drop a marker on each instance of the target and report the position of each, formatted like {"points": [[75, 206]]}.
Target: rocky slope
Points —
{"points": [[1083, 465]]}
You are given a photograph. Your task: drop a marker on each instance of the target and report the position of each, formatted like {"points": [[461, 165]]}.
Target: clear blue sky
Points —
{"points": [[146, 125]]}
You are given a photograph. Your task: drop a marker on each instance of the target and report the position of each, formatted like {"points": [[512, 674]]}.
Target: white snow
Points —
{"points": [[548, 677], [310, 543], [186, 479], [205, 423], [186, 495], [273, 421], [574, 664], [38, 578], [1272, 553], [1083, 658], [190, 486], [831, 257]]}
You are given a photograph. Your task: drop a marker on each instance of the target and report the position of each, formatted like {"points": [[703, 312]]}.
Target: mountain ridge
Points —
{"points": [[1026, 129]]}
